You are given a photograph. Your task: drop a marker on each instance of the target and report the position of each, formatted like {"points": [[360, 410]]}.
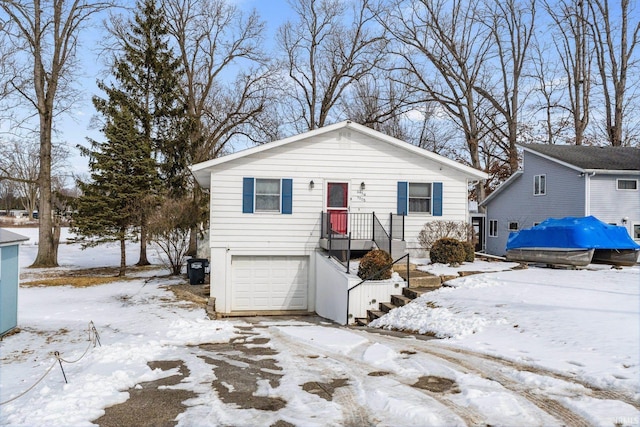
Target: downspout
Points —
{"points": [[587, 192]]}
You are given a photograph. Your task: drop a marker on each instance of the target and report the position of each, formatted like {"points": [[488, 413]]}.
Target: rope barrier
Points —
{"points": [[93, 339]]}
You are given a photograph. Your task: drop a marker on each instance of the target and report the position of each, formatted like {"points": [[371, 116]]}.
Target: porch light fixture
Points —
{"points": [[625, 219], [311, 185], [362, 186]]}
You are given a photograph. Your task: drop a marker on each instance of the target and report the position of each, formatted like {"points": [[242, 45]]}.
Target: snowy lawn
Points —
{"points": [[580, 324], [583, 322]]}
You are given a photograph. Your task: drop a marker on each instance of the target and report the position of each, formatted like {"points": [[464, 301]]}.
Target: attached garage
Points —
{"points": [[269, 283]]}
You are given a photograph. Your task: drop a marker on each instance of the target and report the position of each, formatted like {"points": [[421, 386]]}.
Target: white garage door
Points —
{"points": [[269, 283]]}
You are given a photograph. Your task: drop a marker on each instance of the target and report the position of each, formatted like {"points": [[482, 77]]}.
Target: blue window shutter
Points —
{"points": [[247, 195], [437, 199], [287, 196], [402, 197]]}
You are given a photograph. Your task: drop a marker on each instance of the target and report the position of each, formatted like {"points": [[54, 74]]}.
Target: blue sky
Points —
{"points": [[75, 127]]}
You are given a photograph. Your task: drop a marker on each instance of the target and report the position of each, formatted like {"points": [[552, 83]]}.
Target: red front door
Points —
{"points": [[338, 205]]}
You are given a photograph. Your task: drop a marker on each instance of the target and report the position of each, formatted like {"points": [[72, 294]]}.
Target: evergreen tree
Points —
{"points": [[122, 174], [144, 126]]}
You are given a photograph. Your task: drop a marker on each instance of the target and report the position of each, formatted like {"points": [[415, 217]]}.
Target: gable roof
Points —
{"points": [[201, 170], [583, 158], [589, 158], [505, 184], [8, 237]]}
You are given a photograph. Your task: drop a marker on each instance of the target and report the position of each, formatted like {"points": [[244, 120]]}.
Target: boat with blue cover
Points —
{"points": [[574, 241]]}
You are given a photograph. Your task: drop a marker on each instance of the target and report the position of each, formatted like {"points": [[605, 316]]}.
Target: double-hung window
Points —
{"points": [[419, 197], [539, 185], [493, 228], [267, 195]]}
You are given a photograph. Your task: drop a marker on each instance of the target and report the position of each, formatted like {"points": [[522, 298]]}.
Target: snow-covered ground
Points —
{"points": [[514, 341]]}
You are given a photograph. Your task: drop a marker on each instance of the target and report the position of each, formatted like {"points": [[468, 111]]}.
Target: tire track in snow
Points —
{"points": [[356, 414], [598, 393], [489, 367]]}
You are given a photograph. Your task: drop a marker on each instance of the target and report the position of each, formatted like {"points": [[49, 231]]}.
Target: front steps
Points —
{"points": [[408, 295], [419, 283]]}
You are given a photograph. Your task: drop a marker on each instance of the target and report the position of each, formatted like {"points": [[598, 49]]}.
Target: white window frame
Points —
{"points": [[429, 210], [540, 190], [633, 231], [626, 189], [256, 209], [493, 228]]}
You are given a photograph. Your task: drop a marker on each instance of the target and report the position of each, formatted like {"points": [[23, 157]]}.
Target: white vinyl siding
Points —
{"points": [[361, 159]]}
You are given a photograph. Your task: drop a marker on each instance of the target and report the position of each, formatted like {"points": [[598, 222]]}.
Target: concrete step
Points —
{"points": [[413, 293], [361, 321], [386, 306], [400, 300], [426, 281], [374, 314]]}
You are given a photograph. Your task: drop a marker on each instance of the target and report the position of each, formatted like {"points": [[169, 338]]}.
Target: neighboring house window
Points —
{"points": [[539, 185], [493, 228], [513, 226], [267, 195], [636, 231], [419, 198], [627, 184]]}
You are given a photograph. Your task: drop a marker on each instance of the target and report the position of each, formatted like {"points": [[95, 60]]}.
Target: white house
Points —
{"points": [[277, 207]]}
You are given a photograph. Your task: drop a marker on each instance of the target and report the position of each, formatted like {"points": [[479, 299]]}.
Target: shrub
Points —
{"points": [[470, 251], [435, 230], [447, 251], [375, 265]]}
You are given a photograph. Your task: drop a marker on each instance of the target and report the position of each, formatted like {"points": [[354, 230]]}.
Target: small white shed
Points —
{"points": [[9, 279]]}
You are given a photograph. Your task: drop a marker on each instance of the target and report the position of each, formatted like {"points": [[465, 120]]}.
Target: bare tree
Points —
{"points": [[50, 30], [226, 80], [442, 44], [548, 90], [570, 34], [215, 40], [510, 24], [614, 40], [380, 101], [20, 163], [325, 54]]}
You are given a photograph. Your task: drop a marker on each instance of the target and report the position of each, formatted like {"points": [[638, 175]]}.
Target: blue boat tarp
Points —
{"points": [[572, 233]]}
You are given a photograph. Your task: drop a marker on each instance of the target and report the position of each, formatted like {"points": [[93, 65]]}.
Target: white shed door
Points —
{"points": [[269, 283]]}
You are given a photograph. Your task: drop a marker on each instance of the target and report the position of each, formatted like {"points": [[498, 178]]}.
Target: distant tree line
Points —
{"points": [[189, 80]]}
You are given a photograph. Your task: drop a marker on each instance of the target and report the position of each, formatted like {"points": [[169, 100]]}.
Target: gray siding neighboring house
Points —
{"points": [[578, 181]]}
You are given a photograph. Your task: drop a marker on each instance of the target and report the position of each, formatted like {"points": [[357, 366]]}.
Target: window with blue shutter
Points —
{"points": [[402, 197], [247, 195], [267, 195], [419, 198], [437, 199], [287, 196]]}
